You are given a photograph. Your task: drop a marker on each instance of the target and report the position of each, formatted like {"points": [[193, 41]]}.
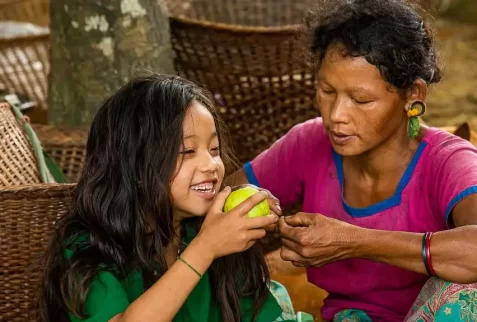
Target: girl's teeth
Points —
{"points": [[203, 186]]}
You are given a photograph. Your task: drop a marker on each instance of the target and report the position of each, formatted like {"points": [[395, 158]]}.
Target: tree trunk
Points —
{"points": [[97, 46]]}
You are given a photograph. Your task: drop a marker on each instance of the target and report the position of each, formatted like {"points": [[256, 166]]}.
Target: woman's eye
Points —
{"points": [[216, 150], [327, 92], [362, 101], [189, 151]]}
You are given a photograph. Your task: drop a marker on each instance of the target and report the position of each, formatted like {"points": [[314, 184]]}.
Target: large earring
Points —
{"points": [[416, 109]]}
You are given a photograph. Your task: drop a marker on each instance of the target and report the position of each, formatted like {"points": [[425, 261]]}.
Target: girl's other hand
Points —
{"points": [[273, 202], [232, 232]]}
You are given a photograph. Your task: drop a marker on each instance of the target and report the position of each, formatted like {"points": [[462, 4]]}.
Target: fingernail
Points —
{"points": [[227, 188]]}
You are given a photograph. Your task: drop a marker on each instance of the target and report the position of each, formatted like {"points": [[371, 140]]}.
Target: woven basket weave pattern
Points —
{"points": [[27, 216], [24, 66], [17, 162], [66, 146], [247, 54]]}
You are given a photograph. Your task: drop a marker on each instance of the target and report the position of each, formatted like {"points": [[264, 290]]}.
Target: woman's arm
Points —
{"points": [[453, 252], [315, 240]]}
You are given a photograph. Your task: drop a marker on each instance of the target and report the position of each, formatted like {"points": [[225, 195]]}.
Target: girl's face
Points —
{"points": [[359, 109], [199, 170]]}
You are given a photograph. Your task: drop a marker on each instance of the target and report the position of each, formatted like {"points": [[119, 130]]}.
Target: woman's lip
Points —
{"points": [[340, 138]]}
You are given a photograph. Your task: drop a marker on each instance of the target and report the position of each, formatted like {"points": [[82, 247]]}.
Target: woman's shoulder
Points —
{"points": [[313, 127], [442, 145], [308, 136]]}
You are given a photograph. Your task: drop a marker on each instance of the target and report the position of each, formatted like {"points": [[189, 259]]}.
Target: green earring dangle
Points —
{"points": [[416, 109]]}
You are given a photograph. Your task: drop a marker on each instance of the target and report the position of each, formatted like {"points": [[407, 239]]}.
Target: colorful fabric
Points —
{"points": [[302, 167], [442, 301], [439, 301], [351, 316], [283, 298]]}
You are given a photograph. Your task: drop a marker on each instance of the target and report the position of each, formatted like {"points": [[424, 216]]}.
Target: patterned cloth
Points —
{"points": [[444, 301], [281, 295], [439, 301]]}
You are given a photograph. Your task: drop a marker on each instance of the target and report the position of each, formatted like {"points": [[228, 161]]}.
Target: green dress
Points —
{"points": [[109, 296]]}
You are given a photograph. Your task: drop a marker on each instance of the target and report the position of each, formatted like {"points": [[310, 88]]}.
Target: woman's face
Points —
{"points": [[360, 110]]}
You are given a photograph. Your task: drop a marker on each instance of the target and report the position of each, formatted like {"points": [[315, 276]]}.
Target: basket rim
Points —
{"points": [[40, 36], [25, 191], [290, 28], [10, 2]]}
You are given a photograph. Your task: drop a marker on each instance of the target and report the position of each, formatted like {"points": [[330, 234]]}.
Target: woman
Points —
{"points": [[373, 183]]}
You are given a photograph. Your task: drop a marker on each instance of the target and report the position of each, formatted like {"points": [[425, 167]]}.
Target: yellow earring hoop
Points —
{"points": [[416, 109]]}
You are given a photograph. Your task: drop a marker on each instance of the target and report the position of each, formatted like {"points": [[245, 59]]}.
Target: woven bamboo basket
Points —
{"points": [[33, 11], [246, 53], [18, 164], [24, 66], [66, 146], [27, 216]]}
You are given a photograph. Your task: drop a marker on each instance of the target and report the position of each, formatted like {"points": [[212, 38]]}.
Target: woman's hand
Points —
{"points": [[233, 231], [273, 202], [313, 240]]}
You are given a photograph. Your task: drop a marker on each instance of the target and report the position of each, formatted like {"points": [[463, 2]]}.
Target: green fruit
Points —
{"points": [[236, 197]]}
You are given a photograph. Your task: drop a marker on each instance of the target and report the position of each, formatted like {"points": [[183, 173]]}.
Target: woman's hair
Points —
{"points": [[124, 193], [389, 34]]}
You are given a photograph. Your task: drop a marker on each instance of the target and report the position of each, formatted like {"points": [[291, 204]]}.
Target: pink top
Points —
{"points": [[302, 166]]}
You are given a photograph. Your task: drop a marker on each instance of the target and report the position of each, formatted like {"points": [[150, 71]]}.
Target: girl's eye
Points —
{"points": [[189, 151], [216, 150]]}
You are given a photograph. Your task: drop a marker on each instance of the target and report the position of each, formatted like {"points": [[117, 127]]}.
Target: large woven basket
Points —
{"points": [[24, 67], [66, 146], [33, 11], [27, 216], [18, 164], [246, 52]]}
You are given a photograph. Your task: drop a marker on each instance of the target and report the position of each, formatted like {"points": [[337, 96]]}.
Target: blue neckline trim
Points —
{"points": [[458, 198], [390, 202], [252, 179]]}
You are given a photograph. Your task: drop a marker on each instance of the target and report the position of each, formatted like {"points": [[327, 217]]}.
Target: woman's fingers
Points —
{"points": [[289, 255]]}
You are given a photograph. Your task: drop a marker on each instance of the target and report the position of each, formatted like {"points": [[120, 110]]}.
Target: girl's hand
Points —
{"points": [[273, 202], [232, 232]]}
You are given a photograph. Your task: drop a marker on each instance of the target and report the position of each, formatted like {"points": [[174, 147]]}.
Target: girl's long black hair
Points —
{"points": [[124, 192]]}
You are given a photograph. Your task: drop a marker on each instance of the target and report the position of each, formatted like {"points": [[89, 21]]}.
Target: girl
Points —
{"points": [[146, 239]]}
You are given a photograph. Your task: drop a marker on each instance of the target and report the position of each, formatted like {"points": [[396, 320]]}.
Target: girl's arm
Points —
{"points": [[164, 299], [221, 234]]}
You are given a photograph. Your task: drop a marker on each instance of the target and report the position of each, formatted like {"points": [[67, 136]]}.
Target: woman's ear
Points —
{"points": [[418, 92]]}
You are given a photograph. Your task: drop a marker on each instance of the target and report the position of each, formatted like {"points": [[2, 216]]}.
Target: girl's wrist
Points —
{"points": [[202, 249]]}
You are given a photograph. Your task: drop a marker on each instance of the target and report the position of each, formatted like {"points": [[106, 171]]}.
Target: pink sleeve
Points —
{"points": [[280, 168], [455, 168]]}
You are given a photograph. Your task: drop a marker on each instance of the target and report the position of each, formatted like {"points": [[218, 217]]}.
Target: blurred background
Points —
{"points": [[61, 58]]}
